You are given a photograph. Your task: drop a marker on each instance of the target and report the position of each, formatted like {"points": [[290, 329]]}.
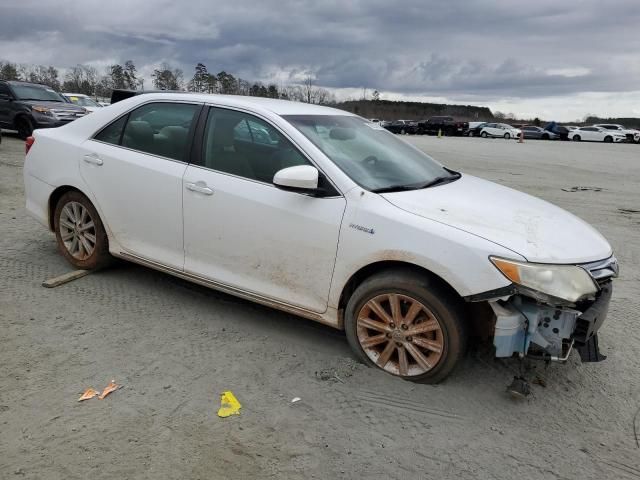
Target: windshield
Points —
{"points": [[370, 155], [31, 92], [82, 101]]}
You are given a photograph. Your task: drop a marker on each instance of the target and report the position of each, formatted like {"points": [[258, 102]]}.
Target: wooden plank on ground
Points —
{"points": [[66, 278]]}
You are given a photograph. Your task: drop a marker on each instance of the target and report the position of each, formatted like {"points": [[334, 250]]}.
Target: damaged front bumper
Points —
{"points": [[529, 328], [529, 325]]}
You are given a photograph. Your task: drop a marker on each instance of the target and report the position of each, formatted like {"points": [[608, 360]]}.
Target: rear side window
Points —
{"points": [[160, 129], [112, 133], [156, 128]]}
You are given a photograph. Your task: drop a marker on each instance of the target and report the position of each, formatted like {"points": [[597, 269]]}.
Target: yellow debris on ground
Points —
{"points": [[229, 405]]}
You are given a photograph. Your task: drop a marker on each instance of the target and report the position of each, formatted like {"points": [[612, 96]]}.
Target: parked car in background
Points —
{"points": [[400, 247], [497, 130], [374, 120], [474, 129], [443, 124], [531, 131], [82, 100], [27, 106], [633, 135], [402, 127], [597, 134]]}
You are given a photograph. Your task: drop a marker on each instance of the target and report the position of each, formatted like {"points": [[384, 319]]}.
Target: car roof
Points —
{"points": [[18, 82], [279, 107]]}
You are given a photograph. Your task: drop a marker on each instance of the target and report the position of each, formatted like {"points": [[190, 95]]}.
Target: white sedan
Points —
{"points": [[499, 130], [83, 100], [632, 134], [325, 215], [596, 134]]}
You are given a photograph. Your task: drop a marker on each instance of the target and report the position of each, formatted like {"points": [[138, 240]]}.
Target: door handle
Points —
{"points": [[199, 187], [93, 159]]}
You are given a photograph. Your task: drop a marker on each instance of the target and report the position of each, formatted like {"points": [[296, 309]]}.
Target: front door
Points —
{"points": [[134, 168], [242, 231]]}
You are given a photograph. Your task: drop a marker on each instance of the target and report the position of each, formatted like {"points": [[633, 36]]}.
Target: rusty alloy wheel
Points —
{"points": [[400, 335]]}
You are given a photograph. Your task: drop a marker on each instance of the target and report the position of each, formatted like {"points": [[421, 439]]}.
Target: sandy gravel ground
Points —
{"points": [[175, 347]]}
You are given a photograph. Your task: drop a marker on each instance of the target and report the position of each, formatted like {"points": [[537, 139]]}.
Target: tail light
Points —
{"points": [[28, 144]]}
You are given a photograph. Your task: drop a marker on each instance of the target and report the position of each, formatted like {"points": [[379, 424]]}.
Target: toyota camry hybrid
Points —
{"points": [[323, 214]]}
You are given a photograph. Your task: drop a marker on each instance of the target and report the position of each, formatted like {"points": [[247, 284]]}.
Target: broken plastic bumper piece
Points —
{"points": [[530, 328]]}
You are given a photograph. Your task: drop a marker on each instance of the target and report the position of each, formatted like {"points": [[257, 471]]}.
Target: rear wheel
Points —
{"points": [[608, 139], [576, 138], [407, 325], [24, 127], [484, 135], [80, 234]]}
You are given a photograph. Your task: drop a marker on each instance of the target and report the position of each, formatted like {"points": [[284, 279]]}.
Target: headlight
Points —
{"points": [[567, 282], [43, 110]]}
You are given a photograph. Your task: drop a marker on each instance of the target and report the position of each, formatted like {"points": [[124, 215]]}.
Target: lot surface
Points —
{"points": [[175, 347]]}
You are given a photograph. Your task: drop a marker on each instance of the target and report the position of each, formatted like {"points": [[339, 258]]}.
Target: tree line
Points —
{"points": [[87, 80]]}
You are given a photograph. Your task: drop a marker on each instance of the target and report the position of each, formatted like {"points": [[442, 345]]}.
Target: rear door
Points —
{"points": [[134, 168], [246, 234]]}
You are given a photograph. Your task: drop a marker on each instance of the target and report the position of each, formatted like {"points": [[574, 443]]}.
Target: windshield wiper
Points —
{"points": [[431, 183]]}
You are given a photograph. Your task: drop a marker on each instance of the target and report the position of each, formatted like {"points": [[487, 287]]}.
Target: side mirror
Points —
{"points": [[301, 178]]}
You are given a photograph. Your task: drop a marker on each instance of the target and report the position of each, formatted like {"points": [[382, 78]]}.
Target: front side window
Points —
{"points": [[371, 156], [241, 144], [160, 129]]}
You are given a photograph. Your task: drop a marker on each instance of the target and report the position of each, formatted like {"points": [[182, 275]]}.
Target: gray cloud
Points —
{"points": [[458, 50]]}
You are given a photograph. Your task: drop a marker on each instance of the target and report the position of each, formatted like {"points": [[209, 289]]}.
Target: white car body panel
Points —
{"points": [[533, 228], [280, 244], [286, 249], [126, 186]]}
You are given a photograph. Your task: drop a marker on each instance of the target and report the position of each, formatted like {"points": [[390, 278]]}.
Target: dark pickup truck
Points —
{"points": [[447, 125]]}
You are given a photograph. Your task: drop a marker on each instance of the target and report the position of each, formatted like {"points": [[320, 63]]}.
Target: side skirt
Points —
{"points": [[330, 317]]}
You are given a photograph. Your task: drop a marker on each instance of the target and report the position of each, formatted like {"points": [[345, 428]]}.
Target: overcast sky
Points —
{"points": [[556, 59]]}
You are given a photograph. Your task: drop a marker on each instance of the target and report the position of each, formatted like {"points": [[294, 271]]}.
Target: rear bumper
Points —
{"points": [[37, 194]]}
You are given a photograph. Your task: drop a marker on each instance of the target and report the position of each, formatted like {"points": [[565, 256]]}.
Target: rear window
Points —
{"points": [[157, 128]]}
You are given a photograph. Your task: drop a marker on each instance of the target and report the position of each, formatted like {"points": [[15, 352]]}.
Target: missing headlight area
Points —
{"points": [[529, 328]]}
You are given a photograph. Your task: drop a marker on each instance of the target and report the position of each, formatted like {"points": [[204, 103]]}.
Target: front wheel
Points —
{"points": [[402, 132], [407, 325], [80, 235], [484, 135], [576, 138], [608, 139], [507, 136], [24, 127], [545, 136]]}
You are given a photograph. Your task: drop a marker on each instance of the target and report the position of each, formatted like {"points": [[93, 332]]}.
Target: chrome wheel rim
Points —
{"points": [[400, 335], [77, 230]]}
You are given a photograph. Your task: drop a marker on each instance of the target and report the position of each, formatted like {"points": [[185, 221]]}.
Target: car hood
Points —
{"points": [[533, 228], [55, 105]]}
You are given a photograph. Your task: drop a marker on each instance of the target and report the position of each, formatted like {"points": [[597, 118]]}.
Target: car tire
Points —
{"points": [[24, 127], [545, 136], [484, 135], [576, 138], [402, 131], [428, 346], [507, 136], [608, 139], [80, 234]]}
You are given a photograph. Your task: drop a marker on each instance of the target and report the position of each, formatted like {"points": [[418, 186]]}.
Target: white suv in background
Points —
{"points": [[323, 214]]}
